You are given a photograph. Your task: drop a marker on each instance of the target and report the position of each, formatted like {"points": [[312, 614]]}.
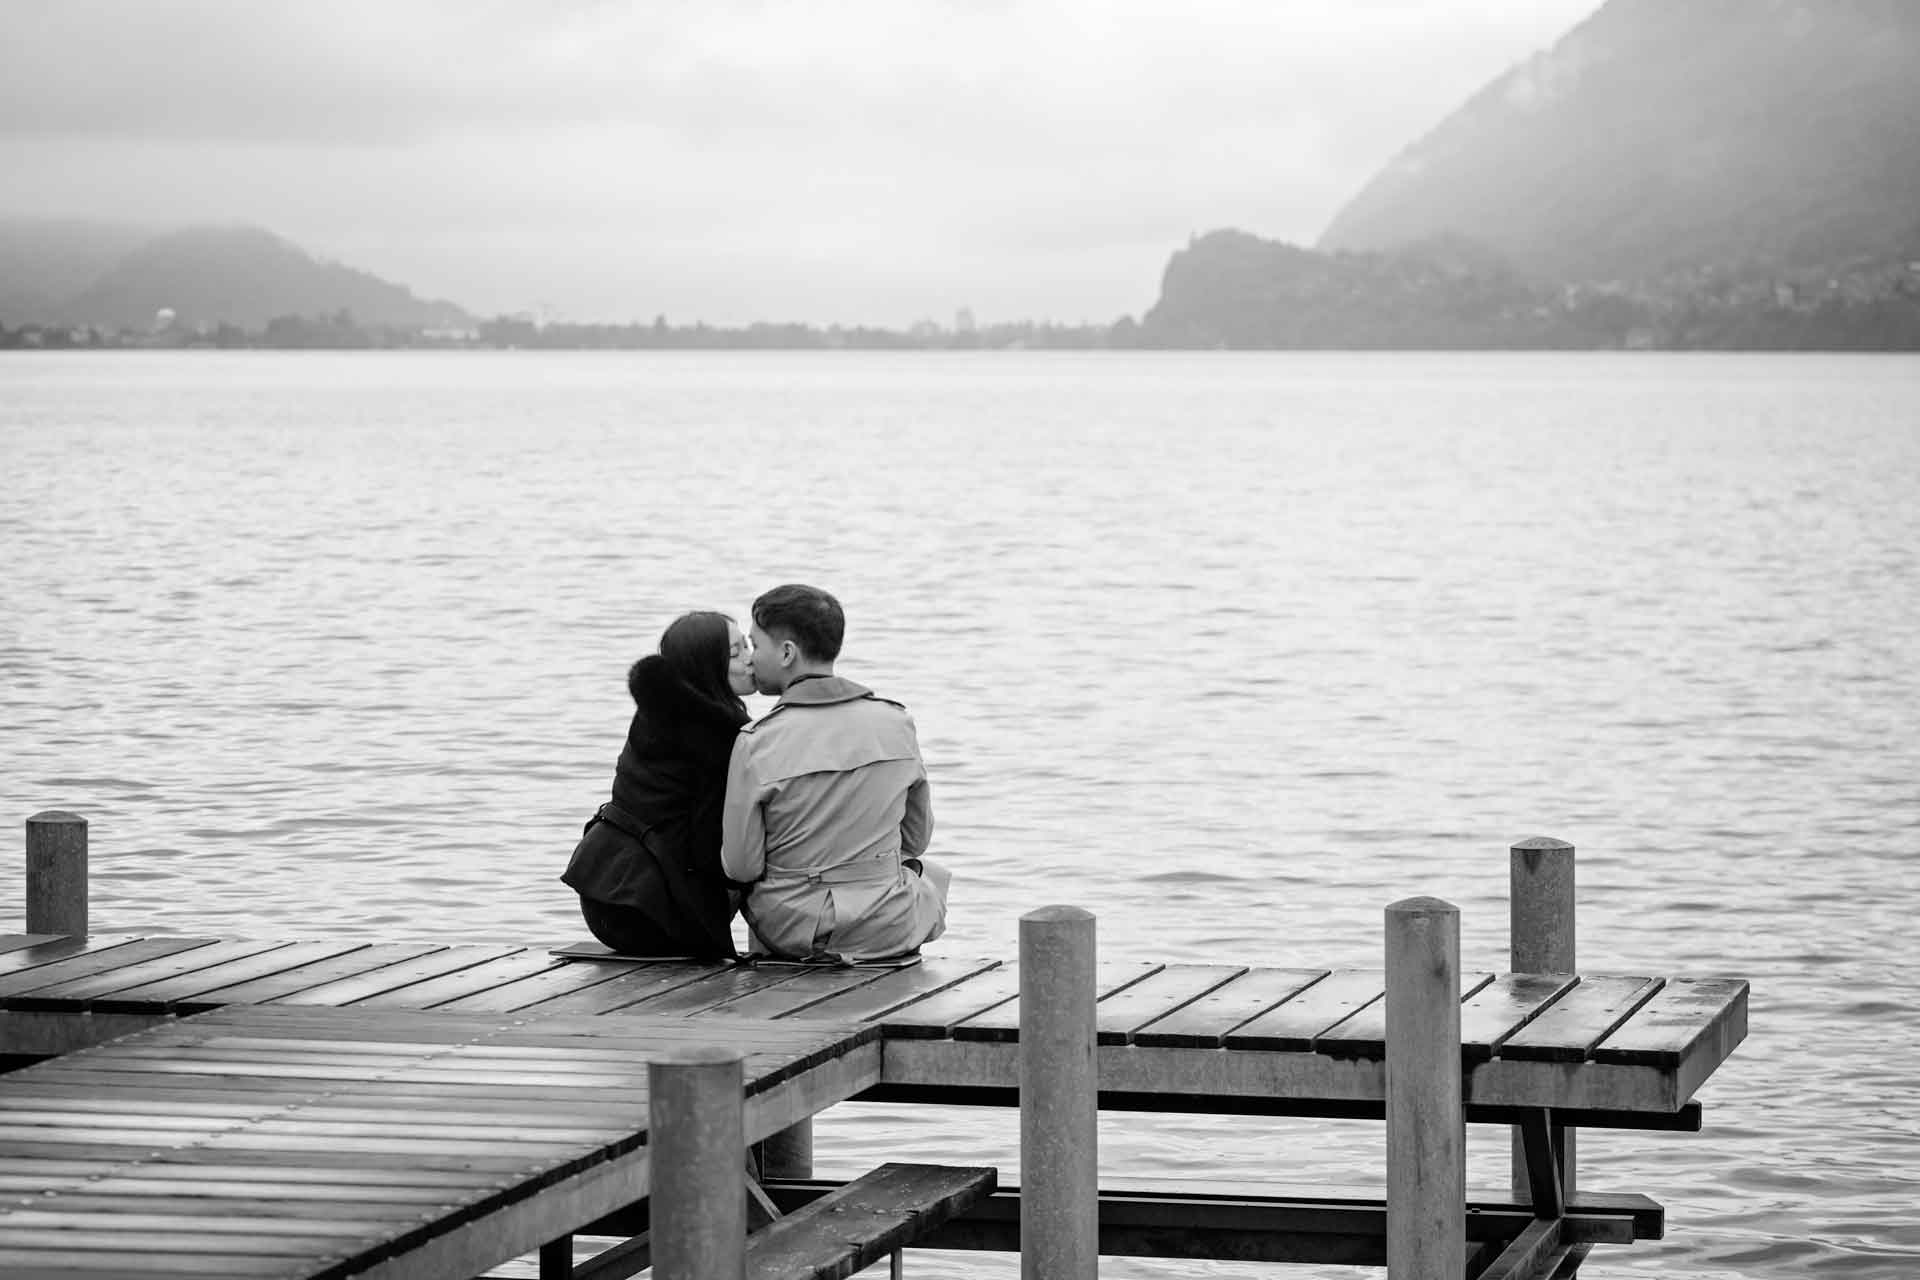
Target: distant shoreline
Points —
{"points": [[1851, 335]]}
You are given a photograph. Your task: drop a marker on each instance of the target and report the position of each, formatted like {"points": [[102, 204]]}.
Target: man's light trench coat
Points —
{"points": [[825, 795]]}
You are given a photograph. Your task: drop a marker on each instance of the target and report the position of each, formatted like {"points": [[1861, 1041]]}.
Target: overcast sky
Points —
{"points": [[851, 161]]}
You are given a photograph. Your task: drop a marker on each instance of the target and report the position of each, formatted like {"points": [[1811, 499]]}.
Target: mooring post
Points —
{"points": [[1541, 935], [56, 873], [696, 1135], [1426, 1130], [1059, 1101]]}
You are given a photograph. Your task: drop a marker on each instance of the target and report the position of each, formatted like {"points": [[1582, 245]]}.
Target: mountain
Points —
{"points": [[1234, 290], [44, 261], [1664, 135], [242, 276], [118, 276]]}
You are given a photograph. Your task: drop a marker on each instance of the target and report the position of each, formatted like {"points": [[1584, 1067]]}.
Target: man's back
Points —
{"points": [[825, 797]]}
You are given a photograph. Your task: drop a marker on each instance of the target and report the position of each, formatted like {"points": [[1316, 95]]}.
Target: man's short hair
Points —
{"points": [[805, 615]]}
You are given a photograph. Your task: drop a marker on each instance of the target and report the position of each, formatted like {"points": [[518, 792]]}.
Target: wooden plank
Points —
{"points": [[500, 1048], [637, 984], [1568, 1030], [534, 1027], [59, 1262], [365, 1123], [1172, 988], [344, 991], [272, 1145], [167, 1175], [1002, 1021], [166, 993], [1644, 1217], [457, 1117], [1363, 1034], [22, 1123], [300, 978], [18, 1104], [321, 1069], [1666, 1029], [82, 963], [454, 1056], [562, 979], [177, 1173], [807, 988], [182, 1108], [236, 1211], [181, 1232], [15, 941], [1253, 1222], [628, 1258], [82, 991], [1204, 1024], [896, 989], [856, 1225], [62, 947], [267, 1161], [377, 1059], [1491, 1015], [301, 1020], [465, 982], [1294, 1026], [1571, 1257], [163, 1087], [717, 988], [1522, 1259], [504, 1049], [936, 1016]]}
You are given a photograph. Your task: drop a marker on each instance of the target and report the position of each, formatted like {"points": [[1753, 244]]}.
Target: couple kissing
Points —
{"points": [[811, 821]]}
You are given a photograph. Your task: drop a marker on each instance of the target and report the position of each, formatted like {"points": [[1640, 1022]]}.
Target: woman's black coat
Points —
{"points": [[656, 846]]}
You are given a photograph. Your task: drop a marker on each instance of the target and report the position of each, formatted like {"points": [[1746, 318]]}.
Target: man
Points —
{"points": [[827, 810]]}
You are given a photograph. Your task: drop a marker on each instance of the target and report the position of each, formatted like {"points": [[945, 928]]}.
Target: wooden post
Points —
{"points": [[1426, 1131], [1541, 940], [1059, 1103], [56, 873], [697, 1138], [788, 1153]]}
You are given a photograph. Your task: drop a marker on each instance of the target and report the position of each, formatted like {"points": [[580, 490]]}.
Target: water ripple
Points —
{"points": [[1233, 652]]}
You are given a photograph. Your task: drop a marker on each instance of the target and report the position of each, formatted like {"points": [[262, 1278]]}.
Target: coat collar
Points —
{"points": [[822, 691]]}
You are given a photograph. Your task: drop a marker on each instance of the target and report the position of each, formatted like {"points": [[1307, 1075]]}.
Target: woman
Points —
{"points": [[647, 867]]}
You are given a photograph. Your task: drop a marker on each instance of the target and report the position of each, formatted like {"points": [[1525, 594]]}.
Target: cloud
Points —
{"points": [[809, 160]]}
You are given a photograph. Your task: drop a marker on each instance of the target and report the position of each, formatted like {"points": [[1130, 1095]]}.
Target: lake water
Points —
{"points": [[1231, 649]]}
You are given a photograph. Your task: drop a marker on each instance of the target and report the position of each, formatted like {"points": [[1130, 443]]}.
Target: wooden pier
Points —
{"points": [[309, 1108]]}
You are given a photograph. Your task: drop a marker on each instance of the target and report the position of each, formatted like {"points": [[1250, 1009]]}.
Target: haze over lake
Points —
{"points": [[1233, 650]]}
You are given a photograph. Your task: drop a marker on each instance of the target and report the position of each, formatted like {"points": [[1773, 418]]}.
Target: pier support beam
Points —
{"points": [[1059, 1107], [788, 1153], [1541, 940], [56, 873], [696, 1127], [1426, 1132]]}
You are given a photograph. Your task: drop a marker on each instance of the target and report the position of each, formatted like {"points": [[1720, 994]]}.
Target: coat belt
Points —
{"points": [[858, 871]]}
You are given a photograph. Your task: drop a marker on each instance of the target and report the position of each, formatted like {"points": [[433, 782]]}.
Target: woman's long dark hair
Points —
{"points": [[695, 646]]}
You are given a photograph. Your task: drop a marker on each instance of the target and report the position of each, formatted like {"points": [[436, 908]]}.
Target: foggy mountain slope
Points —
{"points": [[1661, 134], [44, 261], [242, 276]]}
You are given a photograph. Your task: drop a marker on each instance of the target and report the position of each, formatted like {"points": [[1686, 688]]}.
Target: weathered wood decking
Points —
{"points": [[466, 1083], [1631, 1048], [316, 1142]]}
